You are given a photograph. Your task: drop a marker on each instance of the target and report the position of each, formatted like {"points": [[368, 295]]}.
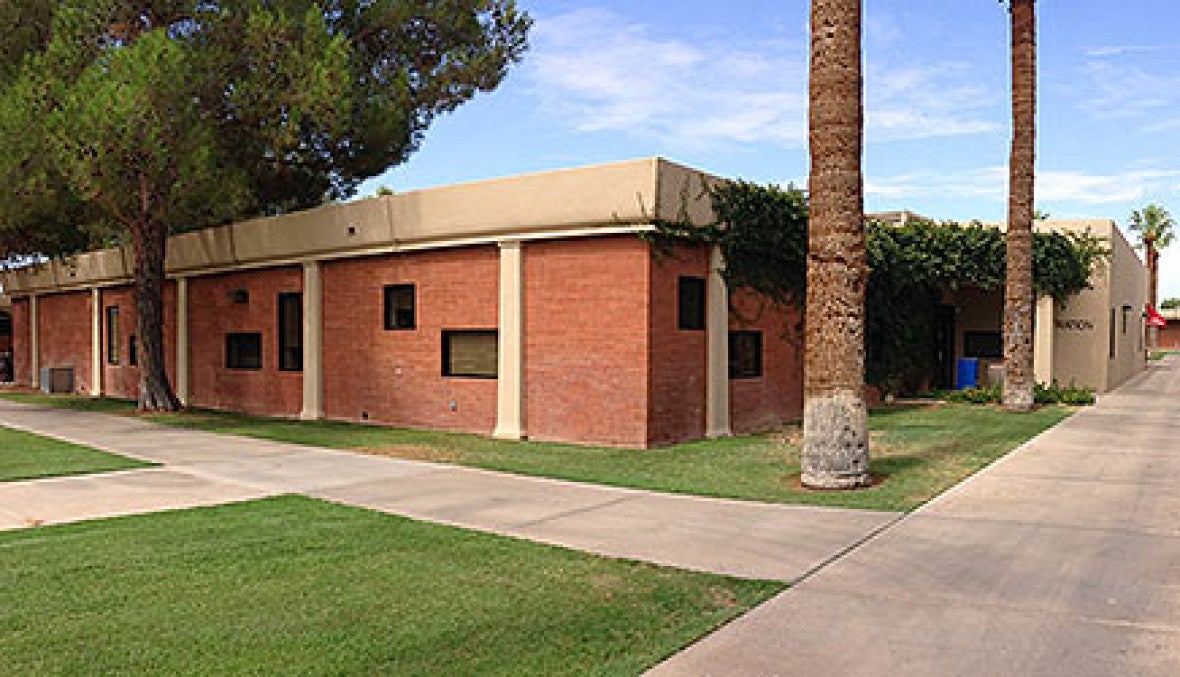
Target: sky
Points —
{"points": [[722, 86]]}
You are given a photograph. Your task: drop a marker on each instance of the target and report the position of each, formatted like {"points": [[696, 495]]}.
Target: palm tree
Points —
{"points": [[1018, 291], [835, 426], [1155, 227]]}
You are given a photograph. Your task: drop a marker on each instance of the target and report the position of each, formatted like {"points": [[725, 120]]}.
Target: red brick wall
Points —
{"points": [[395, 377], [1170, 335], [122, 380], [20, 340], [586, 334], [64, 321], [677, 356], [758, 404], [213, 315]]}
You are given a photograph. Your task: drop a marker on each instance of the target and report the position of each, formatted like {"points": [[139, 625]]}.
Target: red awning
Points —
{"points": [[1154, 319]]}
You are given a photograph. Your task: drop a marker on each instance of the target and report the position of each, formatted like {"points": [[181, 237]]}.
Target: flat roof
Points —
{"points": [[602, 199]]}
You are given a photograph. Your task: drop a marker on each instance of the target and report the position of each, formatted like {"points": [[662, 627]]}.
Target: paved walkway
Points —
{"points": [[732, 537], [1063, 559]]}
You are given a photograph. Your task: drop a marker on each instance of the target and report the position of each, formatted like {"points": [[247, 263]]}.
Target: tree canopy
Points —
{"points": [[210, 110]]}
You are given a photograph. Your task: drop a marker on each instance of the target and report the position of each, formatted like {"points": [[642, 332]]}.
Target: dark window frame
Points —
{"points": [[391, 318], [112, 336], [759, 354], [691, 303], [230, 351], [285, 298], [1126, 316], [446, 353], [1113, 335], [968, 343]]}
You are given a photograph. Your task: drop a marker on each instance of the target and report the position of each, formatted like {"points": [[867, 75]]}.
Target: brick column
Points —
{"points": [[34, 344], [1045, 327], [96, 342], [717, 371], [182, 341], [313, 340], [510, 381]]}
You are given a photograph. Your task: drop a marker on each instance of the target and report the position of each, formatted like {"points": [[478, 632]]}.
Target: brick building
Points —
{"points": [[521, 307]]}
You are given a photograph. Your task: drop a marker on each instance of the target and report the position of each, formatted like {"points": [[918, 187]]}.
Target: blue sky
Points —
{"points": [[722, 86]]}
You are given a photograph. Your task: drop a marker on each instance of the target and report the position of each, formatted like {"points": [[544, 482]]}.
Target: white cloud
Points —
{"points": [[599, 72], [1120, 50], [1070, 187]]}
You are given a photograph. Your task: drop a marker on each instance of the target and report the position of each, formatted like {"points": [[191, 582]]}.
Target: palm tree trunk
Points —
{"points": [[1018, 292], [835, 429]]}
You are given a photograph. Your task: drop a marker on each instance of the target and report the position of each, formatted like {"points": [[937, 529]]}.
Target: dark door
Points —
{"points": [[944, 347]]}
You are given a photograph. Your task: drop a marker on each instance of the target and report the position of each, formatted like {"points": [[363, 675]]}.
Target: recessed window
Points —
{"points": [[691, 302], [1113, 337], [291, 331], [983, 344], [132, 351], [1126, 317], [745, 354], [5, 324], [243, 351], [113, 342], [400, 307], [471, 353]]}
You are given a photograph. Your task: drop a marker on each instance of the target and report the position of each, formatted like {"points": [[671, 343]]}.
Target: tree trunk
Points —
{"points": [[1153, 268], [835, 426], [149, 241], [1018, 292]]}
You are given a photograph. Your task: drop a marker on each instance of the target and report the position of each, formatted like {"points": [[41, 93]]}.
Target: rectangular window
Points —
{"points": [[1126, 317], [113, 342], [399, 307], [1112, 334], [745, 354], [471, 353], [691, 302], [291, 331], [132, 351], [5, 324], [243, 351], [983, 344]]}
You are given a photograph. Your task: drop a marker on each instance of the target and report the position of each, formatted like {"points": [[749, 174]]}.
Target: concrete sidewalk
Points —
{"points": [[732, 537], [1063, 559]]}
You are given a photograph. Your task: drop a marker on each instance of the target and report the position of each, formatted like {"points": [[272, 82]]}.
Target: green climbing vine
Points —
{"points": [[762, 233]]}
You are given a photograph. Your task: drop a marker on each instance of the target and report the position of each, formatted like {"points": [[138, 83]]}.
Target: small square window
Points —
{"points": [[132, 351], [691, 302], [472, 353], [983, 344], [243, 351], [745, 354], [400, 307]]}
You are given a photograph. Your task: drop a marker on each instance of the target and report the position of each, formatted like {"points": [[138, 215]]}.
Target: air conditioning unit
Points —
{"points": [[57, 379]]}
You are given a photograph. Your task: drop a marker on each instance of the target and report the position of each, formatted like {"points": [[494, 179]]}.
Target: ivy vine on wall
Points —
{"points": [[762, 233]]}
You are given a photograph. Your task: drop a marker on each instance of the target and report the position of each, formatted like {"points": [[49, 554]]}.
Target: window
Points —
{"points": [[399, 307], [243, 351], [113, 342], [983, 344], [5, 324], [132, 351], [745, 354], [1126, 315], [1112, 334], [291, 331], [691, 301], [471, 353]]}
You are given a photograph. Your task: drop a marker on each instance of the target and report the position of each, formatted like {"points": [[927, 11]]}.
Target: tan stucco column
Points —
{"points": [[34, 344], [1046, 328], [182, 341], [510, 379], [717, 324], [313, 343], [96, 342]]}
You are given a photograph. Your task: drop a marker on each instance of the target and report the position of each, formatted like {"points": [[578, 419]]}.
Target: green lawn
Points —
{"points": [[297, 586], [918, 452], [24, 456]]}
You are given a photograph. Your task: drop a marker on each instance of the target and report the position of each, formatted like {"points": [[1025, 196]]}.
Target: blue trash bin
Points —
{"points": [[966, 373]]}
